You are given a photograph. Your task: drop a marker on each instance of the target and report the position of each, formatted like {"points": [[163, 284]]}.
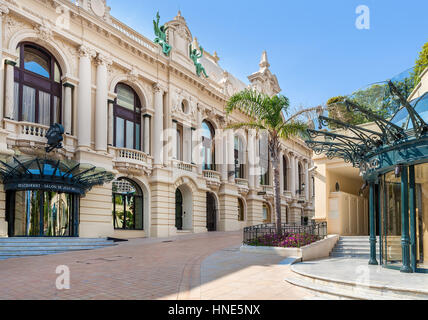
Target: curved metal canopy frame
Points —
{"points": [[62, 175], [362, 142]]}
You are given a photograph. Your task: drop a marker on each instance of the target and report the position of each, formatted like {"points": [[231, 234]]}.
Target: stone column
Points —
{"points": [[307, 186], [281, 172], [84, 106], [293, 182], [67, 117], [175, 154], [110, 139], [10, 89], [3, 11], [231, 155], [251, 159], [257, 171], [197, 158], [158, 125], [147, 118], [221, 158], [101, 109], [192, 145]]}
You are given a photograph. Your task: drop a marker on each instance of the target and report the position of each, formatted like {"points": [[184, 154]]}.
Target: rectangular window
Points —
{"points": [[129, 135], [44, 108], [29, 104], [120, 132]]}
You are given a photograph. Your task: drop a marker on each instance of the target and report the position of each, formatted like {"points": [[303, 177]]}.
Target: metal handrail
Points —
{"points": [[267, 233]]}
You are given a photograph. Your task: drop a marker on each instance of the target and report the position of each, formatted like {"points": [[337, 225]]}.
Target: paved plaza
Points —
{"points": [[205, 266]]}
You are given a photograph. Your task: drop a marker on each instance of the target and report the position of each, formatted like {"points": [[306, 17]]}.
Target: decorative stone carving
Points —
{"points": [[85, 51], [98, 7], [45, 30]]}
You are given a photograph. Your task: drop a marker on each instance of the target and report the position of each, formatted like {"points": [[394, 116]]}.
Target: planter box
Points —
{"points": [[314, 251]]}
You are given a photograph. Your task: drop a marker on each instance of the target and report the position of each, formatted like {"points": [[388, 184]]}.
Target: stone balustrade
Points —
{"points": [[131, 160]]}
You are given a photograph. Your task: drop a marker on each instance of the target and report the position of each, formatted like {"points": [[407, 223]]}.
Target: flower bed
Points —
{"points": [[287, 240]]}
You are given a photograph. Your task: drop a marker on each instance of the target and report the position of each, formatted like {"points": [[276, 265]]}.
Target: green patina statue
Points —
{"points": [[160, 33], [195, 56]]}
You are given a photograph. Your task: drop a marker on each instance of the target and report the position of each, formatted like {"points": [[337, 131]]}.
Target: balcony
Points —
{"points": [[213, 179], [288, 195], [184, 166], [268, 192], [30, 138], [243, 187], [132, 161]]}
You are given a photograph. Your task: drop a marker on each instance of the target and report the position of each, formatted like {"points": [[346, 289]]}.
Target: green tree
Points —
{"points": [[421, 63], [267, 113]]}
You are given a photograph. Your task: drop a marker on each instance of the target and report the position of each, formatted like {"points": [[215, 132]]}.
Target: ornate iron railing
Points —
{"points": [[266, 234]]}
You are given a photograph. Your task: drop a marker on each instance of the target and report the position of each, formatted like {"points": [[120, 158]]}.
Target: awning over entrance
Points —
{"points": [[62, 176]]}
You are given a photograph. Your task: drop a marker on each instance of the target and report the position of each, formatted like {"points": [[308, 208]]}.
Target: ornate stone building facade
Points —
{"points": [[141, 114]]}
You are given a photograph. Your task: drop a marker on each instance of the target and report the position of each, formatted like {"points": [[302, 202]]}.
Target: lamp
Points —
{"points": [[398, 170]]}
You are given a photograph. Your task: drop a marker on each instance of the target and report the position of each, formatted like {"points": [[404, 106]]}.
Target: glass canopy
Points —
{"points": [[25, 173]]}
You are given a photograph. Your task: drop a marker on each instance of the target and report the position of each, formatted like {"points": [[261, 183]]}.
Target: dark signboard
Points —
{"points": [[46, 186]]}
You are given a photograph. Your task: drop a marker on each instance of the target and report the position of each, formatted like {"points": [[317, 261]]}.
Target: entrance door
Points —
{"points": [[178, 210], [211, 212], [41, 214]]}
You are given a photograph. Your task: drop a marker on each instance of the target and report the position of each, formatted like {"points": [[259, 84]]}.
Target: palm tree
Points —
{"points": [[268, 115]]}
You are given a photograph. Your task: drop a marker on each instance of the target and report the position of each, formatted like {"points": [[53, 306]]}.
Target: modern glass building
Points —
{"points": [[392, 156]]}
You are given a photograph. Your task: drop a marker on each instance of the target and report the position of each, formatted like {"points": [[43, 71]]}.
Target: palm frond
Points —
{"points": [[246, 125], [249, 102], [292, 129]]}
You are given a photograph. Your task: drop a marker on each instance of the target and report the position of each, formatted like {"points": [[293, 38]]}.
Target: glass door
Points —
{"points": [[43, 214]]}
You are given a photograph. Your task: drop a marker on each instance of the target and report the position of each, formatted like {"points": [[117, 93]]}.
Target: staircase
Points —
{"points": [[353, 247], [25, 247]]}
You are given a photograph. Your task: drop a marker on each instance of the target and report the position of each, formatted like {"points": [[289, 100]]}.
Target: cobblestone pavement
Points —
{"points": [[146, 269]]}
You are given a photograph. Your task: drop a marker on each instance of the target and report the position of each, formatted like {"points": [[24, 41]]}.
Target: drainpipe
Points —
{"points": [[373, 260]]}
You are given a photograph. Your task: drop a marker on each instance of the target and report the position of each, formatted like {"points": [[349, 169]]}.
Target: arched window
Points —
{"points": [[208, 147], [127, 118], [241, 212], [300, 173], [267, 218], [239, 158], [264, 160], [127, 205], [38, 89], [285, 172]]}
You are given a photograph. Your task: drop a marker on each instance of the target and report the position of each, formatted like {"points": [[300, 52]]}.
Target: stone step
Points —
{"points": [[25, 247], [52, 244], [350, 255], [29, 253], [42, 239], [52, 248], [350, 290]]}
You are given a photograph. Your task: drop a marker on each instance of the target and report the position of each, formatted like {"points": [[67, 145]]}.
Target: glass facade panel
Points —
{"points": [[128, 205], [120, 132], [129, 135], [43, 214], [422, 215], [392, 221], [35, 61], [29, 104], [125, 97], [44, 108]]}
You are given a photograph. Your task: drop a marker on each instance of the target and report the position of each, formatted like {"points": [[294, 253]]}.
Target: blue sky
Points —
{"points": [[313, 46]]}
